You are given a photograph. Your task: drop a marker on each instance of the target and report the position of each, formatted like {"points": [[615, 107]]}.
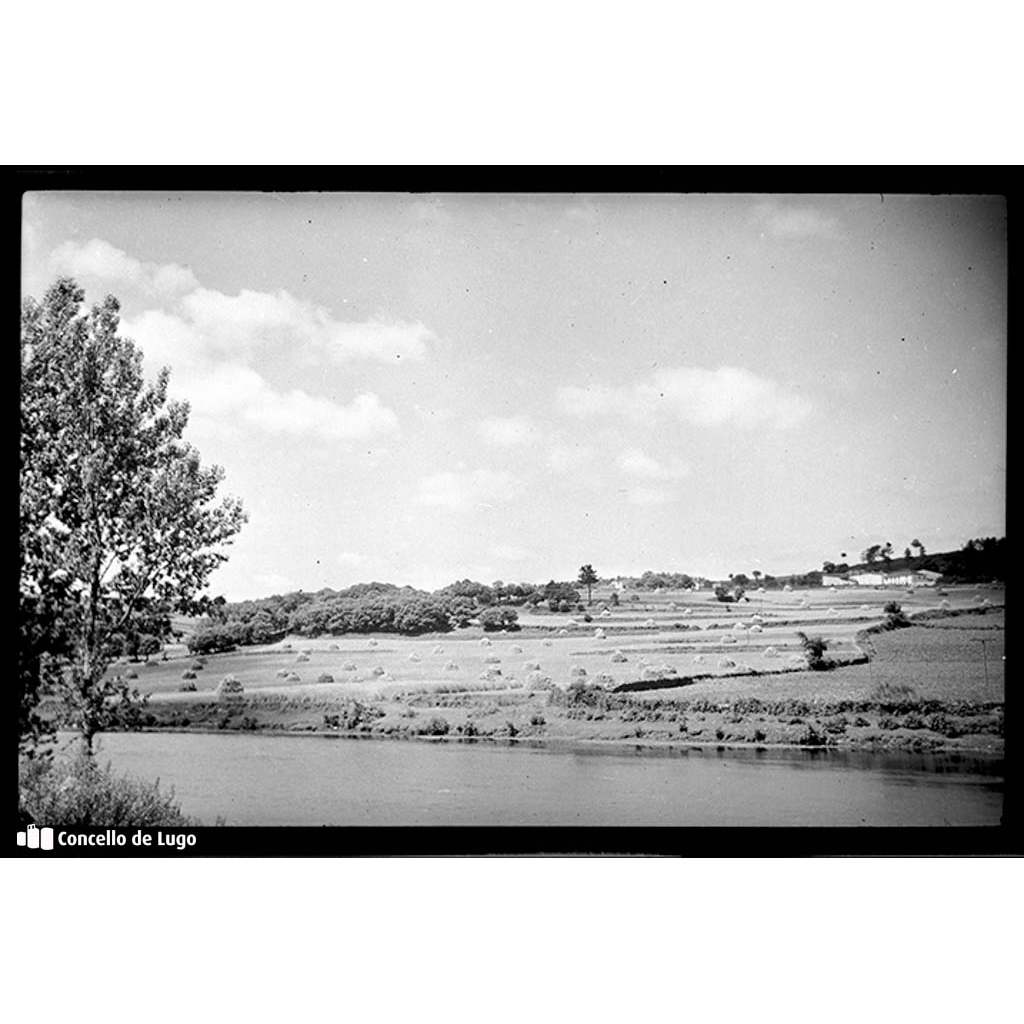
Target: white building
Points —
{"points": [[899, 578]]}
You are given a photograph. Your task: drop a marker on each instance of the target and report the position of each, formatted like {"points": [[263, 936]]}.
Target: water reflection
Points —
{"points": [[282, 780]]}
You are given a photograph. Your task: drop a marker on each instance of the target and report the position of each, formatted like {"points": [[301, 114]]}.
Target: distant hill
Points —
{"points": [[981, 559]]}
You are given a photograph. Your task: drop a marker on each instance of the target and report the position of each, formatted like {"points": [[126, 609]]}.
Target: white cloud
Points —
{"points": [[258, 318], [726, 396], [729, 396], [562, 458], [230, 392], [465, 490], [507, 431], [638, 463], [101, 260]]}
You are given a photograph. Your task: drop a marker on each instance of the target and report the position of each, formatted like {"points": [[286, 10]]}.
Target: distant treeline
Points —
{"points": [[374, 608], [979, 559], [983, 558]]}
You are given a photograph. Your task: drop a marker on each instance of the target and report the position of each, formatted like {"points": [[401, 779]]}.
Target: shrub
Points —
{"points": [[188, 674], [538, 720], [814, 649], [188, 687], [229, 684], [434, 726], [325, 677], [893, 693], [944, 726], [895, 617], [77, 793], [495, 619]]}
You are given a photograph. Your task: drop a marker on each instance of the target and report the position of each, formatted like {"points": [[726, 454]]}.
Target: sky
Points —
{"points": [[422, 388]]}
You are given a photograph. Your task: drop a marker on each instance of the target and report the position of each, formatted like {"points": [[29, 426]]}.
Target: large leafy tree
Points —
{"points": [[587, 578], [117, 514]]}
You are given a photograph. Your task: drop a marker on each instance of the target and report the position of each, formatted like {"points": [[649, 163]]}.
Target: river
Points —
{"points": [[250, 779]]}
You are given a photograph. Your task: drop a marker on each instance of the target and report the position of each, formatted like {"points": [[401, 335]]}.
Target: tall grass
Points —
{"points": [[75, 792]]}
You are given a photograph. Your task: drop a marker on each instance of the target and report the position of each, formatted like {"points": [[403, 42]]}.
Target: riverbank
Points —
{"points": [[591, 715], [935, 686]]}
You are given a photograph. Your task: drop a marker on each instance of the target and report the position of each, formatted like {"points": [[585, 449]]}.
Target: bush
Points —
{"points": [[434, 726], [228, 685], [893, 693], [814, 649], [895, 617], [495, 619], [76, 793]]}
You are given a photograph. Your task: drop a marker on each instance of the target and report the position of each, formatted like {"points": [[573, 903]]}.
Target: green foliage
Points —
{"points": [[494, 619], [434, 726], [893, 693], [117, 513], [75, 792], [814, 649], [230, 685], [587, 577], [895, 617]]}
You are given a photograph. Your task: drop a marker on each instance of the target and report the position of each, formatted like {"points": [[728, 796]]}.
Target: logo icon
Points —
{"points": [[36, 838]]}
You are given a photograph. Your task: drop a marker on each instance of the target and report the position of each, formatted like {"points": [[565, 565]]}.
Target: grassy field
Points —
{"points": [[509, 685]]}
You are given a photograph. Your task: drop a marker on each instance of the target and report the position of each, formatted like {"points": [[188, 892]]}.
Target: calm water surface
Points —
{"points": [[314, 780]]}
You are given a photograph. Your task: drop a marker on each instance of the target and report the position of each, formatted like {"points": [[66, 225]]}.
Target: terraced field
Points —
{"points": [[659, 636]]}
